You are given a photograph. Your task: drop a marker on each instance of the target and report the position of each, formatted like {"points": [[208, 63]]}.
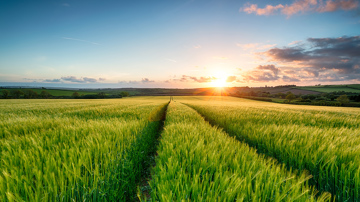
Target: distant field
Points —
{"points": [[352, 88], [53, 92], [211, 148]]}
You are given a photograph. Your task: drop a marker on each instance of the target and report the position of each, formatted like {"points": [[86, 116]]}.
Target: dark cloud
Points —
{"points": [[80, 80], [337, 58], [72, 79], [287, 54], [290, 79], [52, 80], [186, 78], [90, 80], [102, 79], [262, 73], [269, 67], [312, 72]]}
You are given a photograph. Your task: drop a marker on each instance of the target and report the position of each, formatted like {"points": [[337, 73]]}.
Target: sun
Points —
{"points": [[220, 80]]}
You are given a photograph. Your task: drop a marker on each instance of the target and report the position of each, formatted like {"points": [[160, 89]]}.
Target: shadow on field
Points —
{"points": [[156, 125]]}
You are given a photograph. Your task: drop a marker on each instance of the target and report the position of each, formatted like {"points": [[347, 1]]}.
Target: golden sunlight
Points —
{"points": [[220, 80]]}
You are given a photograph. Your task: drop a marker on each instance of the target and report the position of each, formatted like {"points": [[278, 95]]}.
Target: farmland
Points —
{"points": [[75, 150], [351, 88], [208, 148]]}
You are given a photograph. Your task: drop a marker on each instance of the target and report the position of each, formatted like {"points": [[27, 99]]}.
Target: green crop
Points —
{"points": [[323, 140], [75, 150], [100, 150], [197, 162]]}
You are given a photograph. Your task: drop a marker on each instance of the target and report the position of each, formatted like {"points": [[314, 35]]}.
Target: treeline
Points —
{"points": [[31, 94], [337, 98]]}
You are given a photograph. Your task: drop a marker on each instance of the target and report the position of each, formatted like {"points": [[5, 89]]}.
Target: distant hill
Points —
{"points": [[349, 88], [297, 90]]}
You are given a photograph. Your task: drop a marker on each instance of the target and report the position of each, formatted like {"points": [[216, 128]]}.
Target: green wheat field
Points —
{"points": [[187, 149]]}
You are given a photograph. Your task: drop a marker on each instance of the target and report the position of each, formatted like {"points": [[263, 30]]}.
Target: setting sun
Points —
{"points": [[220, 80]]}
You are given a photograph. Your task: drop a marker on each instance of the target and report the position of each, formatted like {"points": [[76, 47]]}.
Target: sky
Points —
{"points": [[179, 43]]}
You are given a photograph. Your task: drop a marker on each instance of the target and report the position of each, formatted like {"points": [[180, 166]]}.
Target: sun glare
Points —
{"points": [[220, 80]]}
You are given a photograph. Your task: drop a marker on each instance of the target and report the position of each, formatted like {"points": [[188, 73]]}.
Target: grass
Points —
{"points": [[197, 162], [63, 150], [99, 150], [323, 140]]}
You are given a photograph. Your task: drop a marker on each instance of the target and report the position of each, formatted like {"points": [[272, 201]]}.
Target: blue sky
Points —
{"points": [[179, 44]]}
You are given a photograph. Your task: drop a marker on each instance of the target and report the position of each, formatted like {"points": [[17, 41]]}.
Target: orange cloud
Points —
{"points": [[268, 10], [331, 6], [302, 6]]}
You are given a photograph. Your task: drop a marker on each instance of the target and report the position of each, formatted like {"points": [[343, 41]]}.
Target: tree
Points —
{"points": [[45, 94], [280, 95], [101, 95], [30, 94], [5, 93], [290, 97], [75, 95], [124, 94], [343, 99], [16, 94]]}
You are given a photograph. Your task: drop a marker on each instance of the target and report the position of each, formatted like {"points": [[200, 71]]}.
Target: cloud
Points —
{"points": [[269, 67], [66, 4], [146, 80], [332, 6], [133, 82], [268, 10], [262, 73], [143, 81], [302, 6], [67, 38], [294, 43], [287, 54], [89, 80], [320, 59], [290, 79], [102, 79], [73, 79], [52, 80], [299, 6], [231, 79], [197, 46], [186, 78]]}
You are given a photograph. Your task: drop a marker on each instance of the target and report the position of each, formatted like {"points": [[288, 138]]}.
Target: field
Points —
{"points": [[204, 148], [351, 88]]}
